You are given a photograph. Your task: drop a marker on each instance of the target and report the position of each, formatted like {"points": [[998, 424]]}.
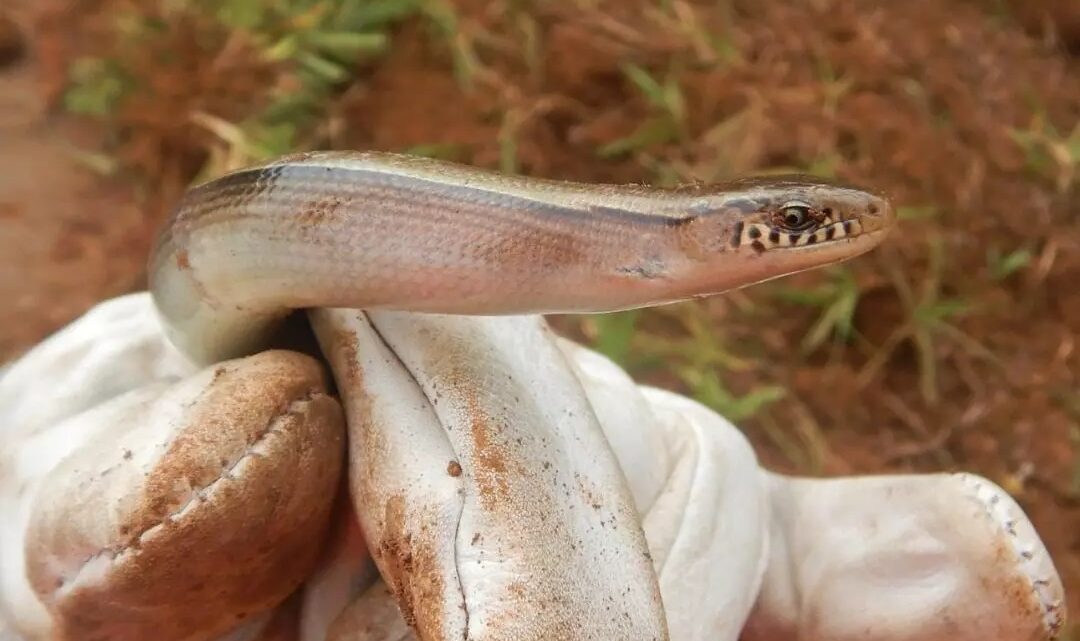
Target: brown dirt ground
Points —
{"points": [[69, 237], [928, 91]]}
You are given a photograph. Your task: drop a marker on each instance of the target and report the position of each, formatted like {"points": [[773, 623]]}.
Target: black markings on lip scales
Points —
{"points": [[754, 233], [736, 238], [774, 237], [847, 226], [757, 246], [811, 239], [830, 232], [794, 238]]}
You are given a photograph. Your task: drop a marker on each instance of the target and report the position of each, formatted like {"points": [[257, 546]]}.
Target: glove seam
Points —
{"points": [[273, 427]]}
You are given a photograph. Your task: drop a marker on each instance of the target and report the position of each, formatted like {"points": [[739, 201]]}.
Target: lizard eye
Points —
{"points": [[796, 217]]}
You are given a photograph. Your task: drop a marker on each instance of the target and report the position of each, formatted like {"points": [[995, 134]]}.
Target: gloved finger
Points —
{"points": [[149, 515], [888, 558], [708, 530], [696, 476], [904, 558], [629, 424], [187, 508], [493, 506], [703, 506]]}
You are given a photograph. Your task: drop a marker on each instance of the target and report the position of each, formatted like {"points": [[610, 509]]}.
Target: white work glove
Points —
{"points": [[509, 484]]}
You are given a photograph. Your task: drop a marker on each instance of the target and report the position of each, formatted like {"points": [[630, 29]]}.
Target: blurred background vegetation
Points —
{"points": [[953, 347]]}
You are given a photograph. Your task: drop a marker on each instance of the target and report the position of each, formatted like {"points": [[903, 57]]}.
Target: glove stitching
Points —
{"points": [[1001, 513], [198, 496]]}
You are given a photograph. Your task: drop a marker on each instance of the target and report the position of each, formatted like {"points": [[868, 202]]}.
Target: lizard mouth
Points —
{"points": [[762, 236]]}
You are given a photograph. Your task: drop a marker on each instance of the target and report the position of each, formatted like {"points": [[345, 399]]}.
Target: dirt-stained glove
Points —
{"points": [[505, 483]]}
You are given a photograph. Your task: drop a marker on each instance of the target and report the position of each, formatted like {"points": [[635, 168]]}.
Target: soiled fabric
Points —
{"points": [[457, 477]]}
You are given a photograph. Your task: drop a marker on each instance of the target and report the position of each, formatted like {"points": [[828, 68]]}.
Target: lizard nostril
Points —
{"points": [[879, 207]]}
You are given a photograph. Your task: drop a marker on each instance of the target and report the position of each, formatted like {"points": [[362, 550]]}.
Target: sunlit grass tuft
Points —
{"points": [[680, 341], [668, 120], [929, 320], [1051, 154], [836, 300], [318, 46], [1001, 266]]}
